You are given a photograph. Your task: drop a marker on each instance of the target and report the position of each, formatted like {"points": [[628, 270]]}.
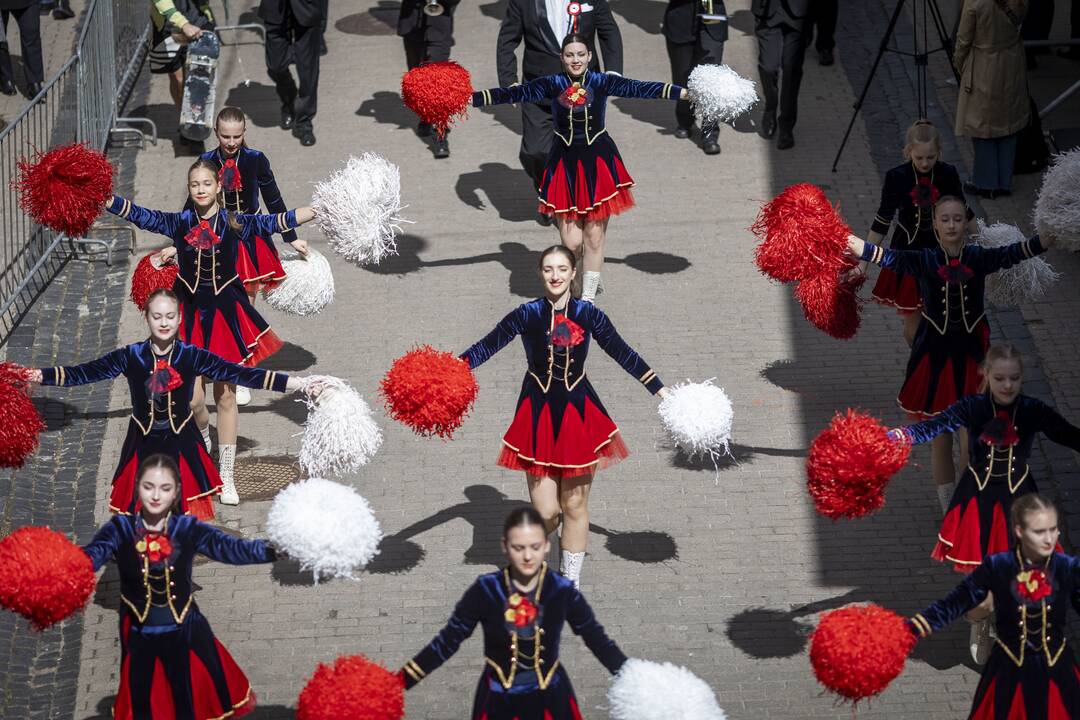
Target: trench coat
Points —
{"points": [[989, 55]]}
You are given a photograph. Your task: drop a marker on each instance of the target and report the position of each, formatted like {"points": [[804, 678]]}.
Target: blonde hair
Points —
{"points": [[1025, 505], [999, 351], [920, 132], [213, 168]]}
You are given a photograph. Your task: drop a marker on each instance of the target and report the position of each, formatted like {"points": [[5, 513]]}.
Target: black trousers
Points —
{"points": [[424, 47], [683, 57], [822, 19], [536, 137], [29, 21], [780, 53], [304, 45]]}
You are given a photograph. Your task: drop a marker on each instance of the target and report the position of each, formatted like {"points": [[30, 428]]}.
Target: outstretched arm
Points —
{"points": [[446, 643], [282, 222], [105, 367], [610, 341], [1058, 428], [220, 546], [989, 260], [214, 367], [532, 91], [956, 416], [104, 545], [943, 613], [155, 221], [906, 262], [508, 328], [643, 89]]}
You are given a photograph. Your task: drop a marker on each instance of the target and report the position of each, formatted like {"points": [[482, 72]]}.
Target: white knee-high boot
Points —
{"points": [[590, 286], [571, 566], [206, 438], [226, 458]]}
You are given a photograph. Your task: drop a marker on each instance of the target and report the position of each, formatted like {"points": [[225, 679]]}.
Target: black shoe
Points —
{"points": [[441, 148], [63, 10], [682, 133], [825, 57], [768, 125], [544, 220], [785, 141], [305, 134], [287, 119], [8, 88], [32, 90], [971, 188], [46, 8], [711, 147]]}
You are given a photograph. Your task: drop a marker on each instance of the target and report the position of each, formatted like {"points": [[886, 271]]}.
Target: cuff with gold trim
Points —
{"points": [[671, 91], [286, 221], [1033, 247], [919, 626], [480, 98], [53, 376], [412, 673], [651, 381], [872, 253], [120, 206], [274, 380]]}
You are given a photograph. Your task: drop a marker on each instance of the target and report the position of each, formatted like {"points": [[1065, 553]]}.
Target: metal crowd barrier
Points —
{"points": [[80, 103]]}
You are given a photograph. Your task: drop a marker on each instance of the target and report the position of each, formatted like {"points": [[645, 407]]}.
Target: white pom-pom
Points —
{"points": [[340, 435], [1024, 282], [357, 208], [719, 94], [308, 286], [698, 418], [325, 526], [646, 690], [1057, 206]]}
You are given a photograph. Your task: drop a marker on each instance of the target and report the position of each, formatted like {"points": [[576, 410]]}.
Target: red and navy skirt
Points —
{"points": [[258, 264], [199, 478], [977, 521], [184, 673], [943, 368], [525, 700], [1035, 690], [561, 433], [902, 291], [226, 324], [585, 182]]}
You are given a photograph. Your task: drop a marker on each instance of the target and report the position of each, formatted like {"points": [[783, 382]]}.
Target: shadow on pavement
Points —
{"points": [[386, 108], [378, 20]]}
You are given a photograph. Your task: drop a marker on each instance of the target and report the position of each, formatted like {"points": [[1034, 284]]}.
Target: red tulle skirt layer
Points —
{"points": [[199, 478], [227, 325], [185, 673], [1034, 691], [525, 700], [561, 433], [258, 264], [585, 182], [977, 521], [899, 291], [943, 368]]}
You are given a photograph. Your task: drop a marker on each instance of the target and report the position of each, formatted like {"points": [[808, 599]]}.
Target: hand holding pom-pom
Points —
{"points": [[353, 688], [802, 235], [438, 93], [430, 391], [698, 418], [719, 94], [308, 286], [44, 576], [20, 423], [340, 434], [65, 188], [857, 651], [1023, 282]]}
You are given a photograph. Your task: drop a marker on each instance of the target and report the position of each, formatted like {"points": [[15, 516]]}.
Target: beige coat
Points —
{"points": [[989, 56]]}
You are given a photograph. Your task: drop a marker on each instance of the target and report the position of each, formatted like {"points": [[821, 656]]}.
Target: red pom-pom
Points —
{"points": [[831, 305], [857, 651], [438, 92], [354, 688], [65, 188], [430, 391], [43, 575], [850, 463], [146, 279], [802, 235], [20, 423]]}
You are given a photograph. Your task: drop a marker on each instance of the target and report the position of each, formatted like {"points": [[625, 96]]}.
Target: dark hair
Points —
{"points": [[570, 256], [522, 517], [213, 168], [572, 38], [160, 292], [1026, 504], [164, 462]]}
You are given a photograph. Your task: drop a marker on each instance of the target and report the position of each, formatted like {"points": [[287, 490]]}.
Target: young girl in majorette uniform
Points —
{"points": [[162, 374], [171, 665], [909, 192], [215, 313], [561, 434], [953, 335], [522, 610], [585, 182]]}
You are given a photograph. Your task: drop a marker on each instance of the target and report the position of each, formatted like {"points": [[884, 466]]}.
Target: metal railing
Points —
{"points": [[80, 103]]}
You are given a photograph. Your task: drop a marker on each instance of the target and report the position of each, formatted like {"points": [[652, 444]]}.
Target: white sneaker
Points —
{"points": [[981, 640], [243, 395]]}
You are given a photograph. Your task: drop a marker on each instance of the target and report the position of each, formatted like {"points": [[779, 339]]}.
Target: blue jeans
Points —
{"points": [[994, 158]]}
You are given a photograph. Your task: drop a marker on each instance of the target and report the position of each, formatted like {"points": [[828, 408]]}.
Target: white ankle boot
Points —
{"points": [[226, 458], [206, 439], [590, 286], [571, 566]]}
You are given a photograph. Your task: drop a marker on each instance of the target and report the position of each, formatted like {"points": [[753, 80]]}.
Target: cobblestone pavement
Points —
{"points": [[723, 572]]}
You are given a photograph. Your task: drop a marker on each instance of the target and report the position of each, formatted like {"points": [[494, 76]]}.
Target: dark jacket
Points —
{"points": [[528, 19], [138, 364], [256, 178], [168, 583], [438, 28], [771, 13], [683, 23], [911, 194], [308, 13], [485, 603], [534, 321]]}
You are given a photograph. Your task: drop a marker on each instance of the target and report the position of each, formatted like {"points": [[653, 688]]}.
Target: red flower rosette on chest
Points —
{"points": [[924, 194], [955, 272], [229, 176], [520, 611], [202, 236], [1032, 586], [164, 378], [566, 333], [1000, 431], [154, 546], [576, 95]]}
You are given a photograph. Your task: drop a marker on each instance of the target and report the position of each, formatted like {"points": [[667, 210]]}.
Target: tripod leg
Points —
{"points": [[869, 79], [943, 36]]}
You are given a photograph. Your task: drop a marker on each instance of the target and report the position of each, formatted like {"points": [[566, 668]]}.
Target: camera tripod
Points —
{"points": [[923, 13]]}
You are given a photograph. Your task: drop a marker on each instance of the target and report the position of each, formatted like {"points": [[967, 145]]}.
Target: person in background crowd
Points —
{"points": [[695, 31], [778, 25], [823, 17], [28, 17], [427, 39], [174, 27], [295, 25]]}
